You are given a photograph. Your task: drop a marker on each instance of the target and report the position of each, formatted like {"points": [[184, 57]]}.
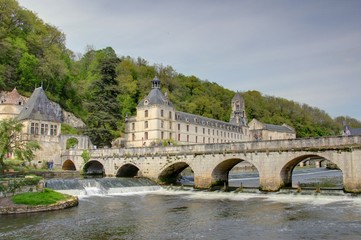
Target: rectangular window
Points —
{"points": [[187, 128], [170, 115], [162, 135], [32, 128], [196, 129], [187, 138], [146, 135], [162, 124], [133, 137], [133, 126], [146, 113], [204, 140], [162, 113], [196, 139], [146, 124], [53, 130], [204, 131], [179, 137], [44, 129], [178, 126]]}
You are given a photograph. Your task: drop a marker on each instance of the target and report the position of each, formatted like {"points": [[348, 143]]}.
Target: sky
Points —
{"points": [[307, 51]]}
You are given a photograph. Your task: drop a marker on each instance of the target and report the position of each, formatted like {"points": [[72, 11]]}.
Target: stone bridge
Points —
{"points": [[211, 163]]}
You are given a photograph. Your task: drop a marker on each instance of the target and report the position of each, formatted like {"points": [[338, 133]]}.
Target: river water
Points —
{"points": [[160, 213]]}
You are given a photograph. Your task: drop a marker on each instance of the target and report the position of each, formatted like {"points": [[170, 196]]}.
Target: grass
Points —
{"points": [[46, 197]]}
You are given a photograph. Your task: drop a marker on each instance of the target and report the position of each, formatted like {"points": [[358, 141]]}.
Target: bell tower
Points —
{"points": [[238, 114]]}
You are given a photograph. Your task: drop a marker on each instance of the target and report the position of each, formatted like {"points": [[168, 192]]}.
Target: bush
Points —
{"points": [[71, 142]]}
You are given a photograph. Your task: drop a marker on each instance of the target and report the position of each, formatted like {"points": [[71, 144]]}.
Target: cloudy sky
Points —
{"points": [[308, 51]]}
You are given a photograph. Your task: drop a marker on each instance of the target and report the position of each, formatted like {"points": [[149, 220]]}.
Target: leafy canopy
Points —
{"points": [[11, 142]]}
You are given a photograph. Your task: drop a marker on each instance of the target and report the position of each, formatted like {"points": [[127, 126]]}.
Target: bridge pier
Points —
{"points": [[270, 184], [351, 170], [202, 182]]}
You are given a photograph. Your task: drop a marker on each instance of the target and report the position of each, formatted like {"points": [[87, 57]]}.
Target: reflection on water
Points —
{"points": [[166, 214]]}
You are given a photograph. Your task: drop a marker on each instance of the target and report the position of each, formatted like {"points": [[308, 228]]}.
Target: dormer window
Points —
{"points": [[146, 102]]}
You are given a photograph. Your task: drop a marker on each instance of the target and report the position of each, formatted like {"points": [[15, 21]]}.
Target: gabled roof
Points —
{"points": [[39, 107]]}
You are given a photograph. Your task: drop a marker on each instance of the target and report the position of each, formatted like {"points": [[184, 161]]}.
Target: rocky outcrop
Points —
{"points": [[73, 121]]}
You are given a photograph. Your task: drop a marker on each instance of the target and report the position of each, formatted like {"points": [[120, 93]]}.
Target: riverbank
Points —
{"points": [[7, 206]]}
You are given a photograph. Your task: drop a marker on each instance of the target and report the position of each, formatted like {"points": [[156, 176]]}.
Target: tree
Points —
{"points": [[103, 107], [11, 142]]}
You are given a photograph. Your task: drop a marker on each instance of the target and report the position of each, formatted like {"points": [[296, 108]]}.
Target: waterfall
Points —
{"points": [[101, 186]]}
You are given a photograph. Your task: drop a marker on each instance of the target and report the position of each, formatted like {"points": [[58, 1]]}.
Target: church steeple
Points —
{"points": [[238, 114]]}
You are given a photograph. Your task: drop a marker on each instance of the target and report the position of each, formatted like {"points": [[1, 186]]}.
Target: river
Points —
{"points": [[160, 213]]}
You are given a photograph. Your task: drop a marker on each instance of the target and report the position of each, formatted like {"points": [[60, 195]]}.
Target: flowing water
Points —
{"points": [[173, 213]]}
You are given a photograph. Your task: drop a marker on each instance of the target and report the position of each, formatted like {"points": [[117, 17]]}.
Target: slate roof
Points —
{"points": [[355, 131], [38, 107], [238, 97], [204, 121], [155, 96], [277, 128]]}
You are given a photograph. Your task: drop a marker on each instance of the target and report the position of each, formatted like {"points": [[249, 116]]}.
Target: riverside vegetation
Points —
{"points": [[102, 87], [28, 195]]}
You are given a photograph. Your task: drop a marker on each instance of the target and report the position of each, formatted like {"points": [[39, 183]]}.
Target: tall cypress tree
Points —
{"points": [[103, 107]]}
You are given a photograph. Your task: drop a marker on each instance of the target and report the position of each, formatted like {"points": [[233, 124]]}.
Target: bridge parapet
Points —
{"points": [[341, 143]]}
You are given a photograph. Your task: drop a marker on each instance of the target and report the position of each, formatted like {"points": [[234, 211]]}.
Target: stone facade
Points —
{"points": [[158, 121], [42, 121], [11, 104], [262, 131], [211, 163]]}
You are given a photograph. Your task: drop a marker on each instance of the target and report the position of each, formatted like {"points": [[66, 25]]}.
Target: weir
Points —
{"points": [[101, 186]]}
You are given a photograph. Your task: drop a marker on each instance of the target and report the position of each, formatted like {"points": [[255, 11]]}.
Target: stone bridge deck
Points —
{"points": [[211, 163]]}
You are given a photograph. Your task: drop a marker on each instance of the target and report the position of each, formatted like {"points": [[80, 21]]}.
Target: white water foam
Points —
{"points": [[314, 199]]}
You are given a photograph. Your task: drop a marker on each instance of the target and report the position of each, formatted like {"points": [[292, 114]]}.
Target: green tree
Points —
{"points": [[11, 142], [103, 106]]}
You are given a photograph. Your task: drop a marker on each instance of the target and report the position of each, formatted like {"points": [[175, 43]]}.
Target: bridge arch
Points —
{"points": [[127, 170], [221, 172], [69, 165], [287, 170], [94, 167], [172, 173]]}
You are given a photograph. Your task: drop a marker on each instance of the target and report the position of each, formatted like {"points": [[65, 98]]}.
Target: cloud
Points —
{"points": [[306, 51]]}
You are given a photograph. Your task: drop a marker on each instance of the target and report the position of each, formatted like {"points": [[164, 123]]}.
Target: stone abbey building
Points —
{"points": [[42, 120], [157, 121]]}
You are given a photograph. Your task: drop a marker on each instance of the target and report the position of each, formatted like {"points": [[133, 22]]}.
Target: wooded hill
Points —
{"points": [[102, 87]]}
